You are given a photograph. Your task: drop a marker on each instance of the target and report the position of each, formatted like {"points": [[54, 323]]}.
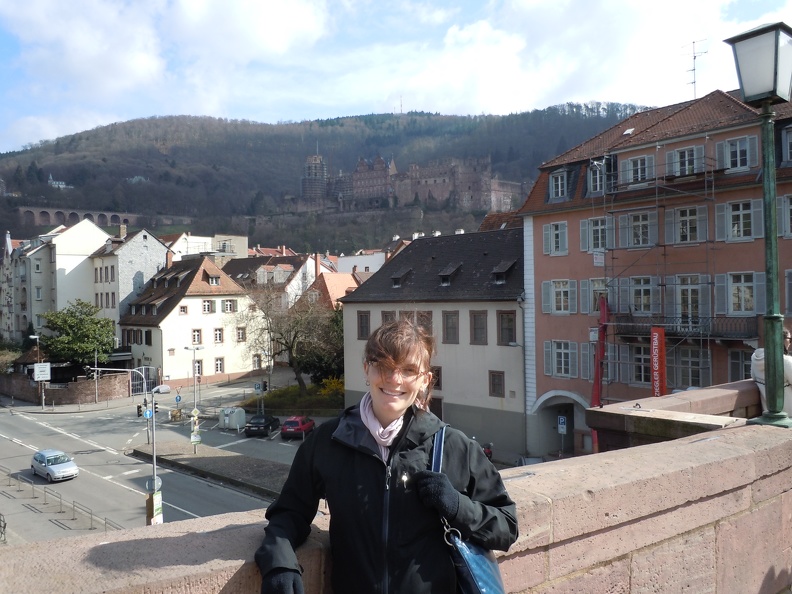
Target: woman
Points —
{"points": [[370, 464], [758, 373]]}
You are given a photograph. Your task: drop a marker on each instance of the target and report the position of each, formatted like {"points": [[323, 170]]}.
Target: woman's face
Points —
{"points": [[393, 391]]}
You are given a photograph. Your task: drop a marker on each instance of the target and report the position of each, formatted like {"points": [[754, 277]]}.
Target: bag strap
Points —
{"points": [[437, 450]]}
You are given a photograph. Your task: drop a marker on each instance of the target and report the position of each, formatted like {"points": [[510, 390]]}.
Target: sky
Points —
{"points": [[72, 66]]}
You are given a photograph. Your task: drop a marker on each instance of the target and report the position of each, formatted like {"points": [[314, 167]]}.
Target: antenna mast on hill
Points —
{"points": [[693, 70]]}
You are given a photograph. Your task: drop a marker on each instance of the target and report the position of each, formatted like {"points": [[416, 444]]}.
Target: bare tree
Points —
{"points": [[281, 331]]}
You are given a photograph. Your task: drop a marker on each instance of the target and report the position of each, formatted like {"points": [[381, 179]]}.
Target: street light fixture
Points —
{"points": [[763, 57], [195, 390]]}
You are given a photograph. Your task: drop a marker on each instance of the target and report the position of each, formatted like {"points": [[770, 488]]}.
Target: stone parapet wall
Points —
{"points": [[710, 512], [83, 391]]}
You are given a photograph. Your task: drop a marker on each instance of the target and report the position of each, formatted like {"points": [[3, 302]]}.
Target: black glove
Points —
{"points": [[435, 490], [282, 581]]}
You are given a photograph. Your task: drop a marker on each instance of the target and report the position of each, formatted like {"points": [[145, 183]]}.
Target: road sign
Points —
{"points": [[257, 387], [195, 412], [41, 372], [562, 425], [147, 413], [195, 438], [178, 398]]}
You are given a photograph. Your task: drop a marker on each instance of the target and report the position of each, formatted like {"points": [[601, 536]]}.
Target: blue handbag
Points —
{"points": [[476, 568]]}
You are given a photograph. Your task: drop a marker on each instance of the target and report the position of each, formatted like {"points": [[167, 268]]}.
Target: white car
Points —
{"points": [[54, 465]]}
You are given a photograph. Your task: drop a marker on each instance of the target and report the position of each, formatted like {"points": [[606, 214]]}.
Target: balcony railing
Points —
{"points": [[688, 327]]}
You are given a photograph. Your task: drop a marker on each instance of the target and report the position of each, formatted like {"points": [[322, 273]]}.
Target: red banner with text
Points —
{"points": [[658, 360]]}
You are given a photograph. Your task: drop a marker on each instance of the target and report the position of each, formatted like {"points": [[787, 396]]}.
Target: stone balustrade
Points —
{"points": [[708, 512]]}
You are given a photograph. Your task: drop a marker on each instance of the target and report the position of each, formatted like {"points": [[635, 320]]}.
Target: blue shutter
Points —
{"points": [[720, 155], [760, 292], [585, 297], [706, 368], [573, 359], [584, 235], [783, 222], [624, 364], [705, 296], [546, 245], [670, 232], [720, 294], [656, 303], [624, 295], [788, 291], [653, 227], [612, 361], [547, 297], [698, 163], [753, 151], [650, 167], [609, 232], [757, 219], [624, 231], [670, 296], [625, 168], [548, 357], [573, 296], [720, 222], [585, 361], [670, 165], [563, 236], [702, 223]]}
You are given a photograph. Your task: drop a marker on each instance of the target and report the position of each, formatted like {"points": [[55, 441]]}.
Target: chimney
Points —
{"points": [[354, 269], [317, 265], [168, 259], [122, 231], [459, 232], [283, 250]]}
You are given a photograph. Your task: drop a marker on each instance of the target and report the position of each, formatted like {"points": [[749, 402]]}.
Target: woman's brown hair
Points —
{"points": [[393, 343]]}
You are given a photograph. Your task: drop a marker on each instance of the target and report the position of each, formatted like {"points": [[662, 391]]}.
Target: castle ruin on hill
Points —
{"points": [[464, 185]]}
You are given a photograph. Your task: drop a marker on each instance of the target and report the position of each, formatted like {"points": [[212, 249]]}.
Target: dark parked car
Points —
{"points": [[297, 427], [261, 425]]}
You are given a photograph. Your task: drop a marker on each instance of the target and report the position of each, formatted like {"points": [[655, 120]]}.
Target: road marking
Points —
{"points": [[225, 445], [130, 472]]}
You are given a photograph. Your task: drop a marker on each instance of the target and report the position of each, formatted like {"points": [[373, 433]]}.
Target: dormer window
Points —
{"points": [[558, 186], [398, 278], [214, 281], [501, 271], [447, 273]]}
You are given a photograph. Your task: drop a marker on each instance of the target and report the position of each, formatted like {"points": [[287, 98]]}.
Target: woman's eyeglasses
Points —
{"points": [[408, 373]]}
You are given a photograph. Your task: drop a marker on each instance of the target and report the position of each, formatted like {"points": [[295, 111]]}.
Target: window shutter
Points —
{"points": [[624, 364], [609, 232], [625, 168], [612, 362], [720, 294], [701, 220], [720, 155], [670, 296], [612, 296], [720, 222], [573, 296], [545, 239], [585, 297], [562, 228], [698, 162], [782, 224], [624, 231], [584, 235], [670, 232], [753, 152], [705, 297], [670, 165], [624, 295], [548, 357], [757, 219], [653, 227], [546, 297], [788, 275], [656, 303], [573, 359], [650, 167], [760, 294], [585, 361]]}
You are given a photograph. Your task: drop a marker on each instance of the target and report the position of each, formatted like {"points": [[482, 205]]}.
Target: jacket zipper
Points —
{"points": [[386, 526]]}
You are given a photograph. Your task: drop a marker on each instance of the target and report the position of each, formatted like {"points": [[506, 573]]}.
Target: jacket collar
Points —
{"points": [[420, 426]]}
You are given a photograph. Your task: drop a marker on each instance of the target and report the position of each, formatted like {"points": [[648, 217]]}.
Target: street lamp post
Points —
{"points": [[195, 389], [763, 57], [38, 359]]}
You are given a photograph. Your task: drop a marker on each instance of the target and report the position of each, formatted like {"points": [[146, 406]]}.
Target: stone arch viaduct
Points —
{"points": [[42, 217]]}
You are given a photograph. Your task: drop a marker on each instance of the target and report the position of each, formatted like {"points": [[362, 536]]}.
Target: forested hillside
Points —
{"points": [[213, 169]]}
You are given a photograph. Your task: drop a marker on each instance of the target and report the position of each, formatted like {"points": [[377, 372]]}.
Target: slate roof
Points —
{"points": [[470, 262], [167, 288], [244, 269]]}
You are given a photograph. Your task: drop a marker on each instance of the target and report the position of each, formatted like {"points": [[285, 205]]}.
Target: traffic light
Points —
{"points": [[89, 373], [156, 406], [264, 385], [140, 410]]}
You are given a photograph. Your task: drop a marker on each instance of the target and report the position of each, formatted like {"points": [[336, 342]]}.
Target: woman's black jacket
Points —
{"points": [[383, 539]]}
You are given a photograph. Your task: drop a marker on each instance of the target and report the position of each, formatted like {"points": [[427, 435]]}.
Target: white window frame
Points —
{"points": [[555, 239], [737, 154], [558, 186], [196, 336], [559, 296], [561, 359], [596, 234], [241, 334], [218, 335], [641, 289], [219, 365], [742, 293], [214, 281], [596, 179], [640, 364], [208, 306], [638, 230], [739, 365]]}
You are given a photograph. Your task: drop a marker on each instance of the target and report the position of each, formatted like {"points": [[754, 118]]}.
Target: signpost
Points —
{"points": [[562, 429]]}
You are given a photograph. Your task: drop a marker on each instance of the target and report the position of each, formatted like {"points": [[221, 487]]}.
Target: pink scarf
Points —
{"points": [[384, 436]]}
